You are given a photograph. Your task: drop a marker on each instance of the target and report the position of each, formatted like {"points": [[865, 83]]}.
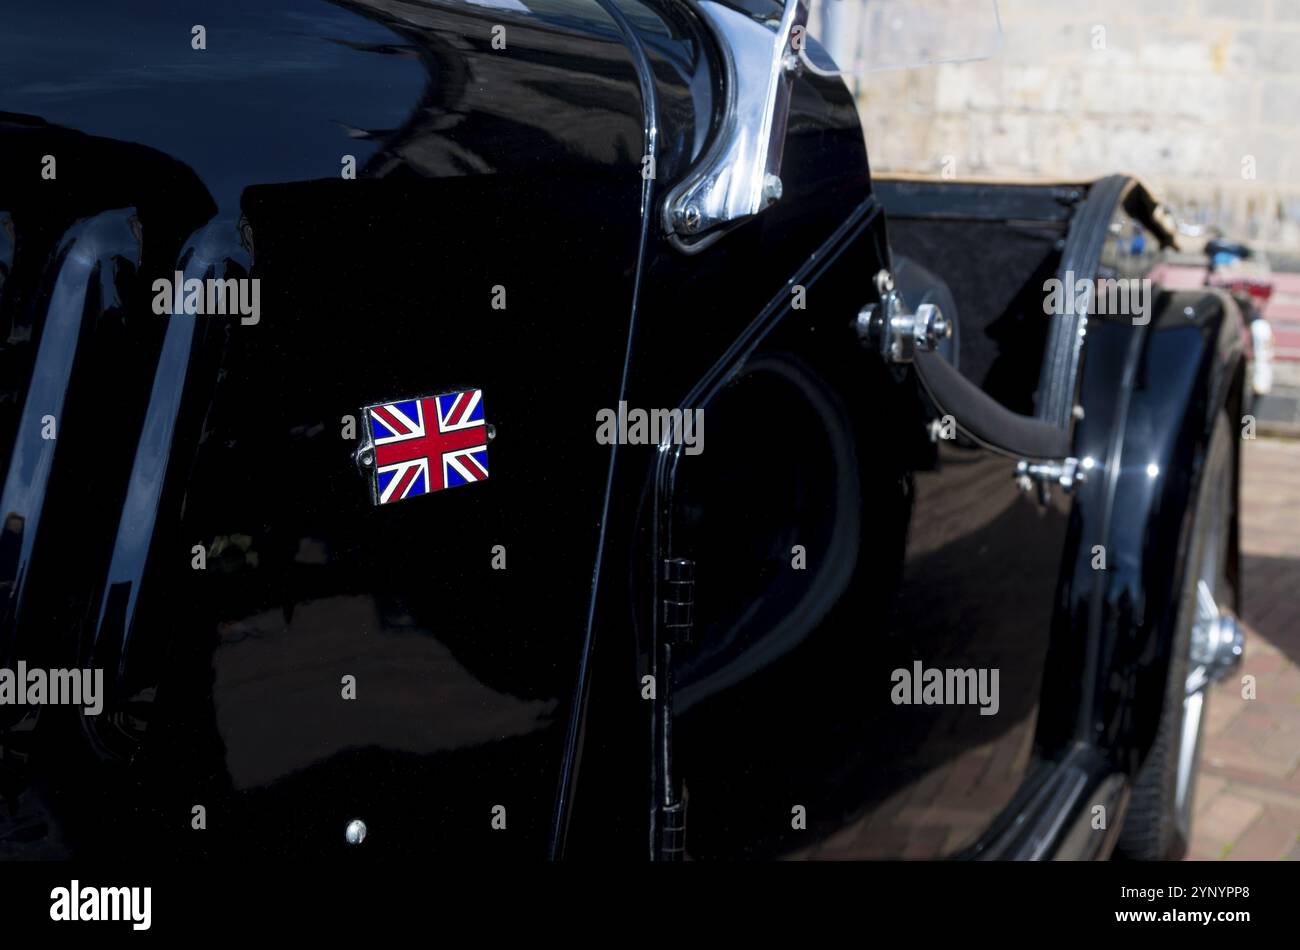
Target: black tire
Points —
{"points": [[1151, 830]]}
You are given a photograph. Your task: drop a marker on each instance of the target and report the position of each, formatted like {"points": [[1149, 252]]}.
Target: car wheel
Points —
{"points": [[1207, 640]]}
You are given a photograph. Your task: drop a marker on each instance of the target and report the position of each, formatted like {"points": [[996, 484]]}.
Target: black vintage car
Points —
{"points": [[944, 572]]}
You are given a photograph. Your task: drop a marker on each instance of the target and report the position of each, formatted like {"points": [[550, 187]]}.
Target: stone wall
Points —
{"points": [[1200, 98]]}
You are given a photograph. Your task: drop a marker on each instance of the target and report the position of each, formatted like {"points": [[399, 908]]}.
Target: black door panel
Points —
{"points": [[836, 543]]}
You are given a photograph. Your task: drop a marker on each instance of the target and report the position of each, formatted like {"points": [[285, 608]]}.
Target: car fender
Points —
{"points": [[1182, 368]]}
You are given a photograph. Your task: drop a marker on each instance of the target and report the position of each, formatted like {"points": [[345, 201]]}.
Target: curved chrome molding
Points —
{"points": [[741, 173]]}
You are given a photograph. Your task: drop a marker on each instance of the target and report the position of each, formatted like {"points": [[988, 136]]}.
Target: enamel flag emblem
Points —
{"points": [[423, 445]]}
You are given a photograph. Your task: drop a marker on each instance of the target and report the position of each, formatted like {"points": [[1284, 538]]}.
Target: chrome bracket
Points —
{"points": [[1067, 473], [740, 175], [896, 333]]}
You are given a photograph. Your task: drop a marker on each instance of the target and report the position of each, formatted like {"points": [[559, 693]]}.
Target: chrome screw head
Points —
{"points": [[691, 219], [772, 187]]}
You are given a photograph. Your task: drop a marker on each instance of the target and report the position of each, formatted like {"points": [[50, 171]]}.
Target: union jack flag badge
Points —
{"points": [[423, 445]]}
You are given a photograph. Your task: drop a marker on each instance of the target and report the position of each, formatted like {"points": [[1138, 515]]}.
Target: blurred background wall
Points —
{"points": [[1201, 98]]}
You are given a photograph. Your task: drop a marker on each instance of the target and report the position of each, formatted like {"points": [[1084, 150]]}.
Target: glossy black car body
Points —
{"points": [[483, 692]]}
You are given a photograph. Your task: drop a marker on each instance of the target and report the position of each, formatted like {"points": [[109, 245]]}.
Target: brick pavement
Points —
{"points": [[1248, 794]]}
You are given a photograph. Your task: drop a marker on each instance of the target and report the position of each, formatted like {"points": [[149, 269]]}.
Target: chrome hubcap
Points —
{"points": [[1217, 640]]}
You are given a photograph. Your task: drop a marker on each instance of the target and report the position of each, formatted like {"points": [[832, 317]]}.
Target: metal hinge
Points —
{"points": [[672, 830], [895, 333], [1067, 473], [677, 627], [679, 600]]}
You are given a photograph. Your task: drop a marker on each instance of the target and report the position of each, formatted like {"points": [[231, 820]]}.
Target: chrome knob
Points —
{"points": [[897, 334], [930, 327]]}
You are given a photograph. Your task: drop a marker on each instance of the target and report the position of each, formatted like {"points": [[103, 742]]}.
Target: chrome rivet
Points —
{"points": [[691, 218], [356, 831], [491, 432], [366, 458], [772, 187]]}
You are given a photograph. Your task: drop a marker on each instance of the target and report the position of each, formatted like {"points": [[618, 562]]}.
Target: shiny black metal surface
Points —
{"points": [[480, 167], [474, 170]]}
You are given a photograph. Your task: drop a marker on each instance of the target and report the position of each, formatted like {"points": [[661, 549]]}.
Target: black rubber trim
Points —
{"points": [[1048, 206], [986, 419], [1082, 254]]}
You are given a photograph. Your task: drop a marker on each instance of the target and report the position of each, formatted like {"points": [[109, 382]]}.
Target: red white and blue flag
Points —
{"points": [[428, 444]]}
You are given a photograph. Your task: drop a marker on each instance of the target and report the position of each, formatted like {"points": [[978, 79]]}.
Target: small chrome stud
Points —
{"points": [[356, 831]]}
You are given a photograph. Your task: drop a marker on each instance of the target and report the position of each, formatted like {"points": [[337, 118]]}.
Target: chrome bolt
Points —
{"points": [[772, 188], [491, 432], [691, 219], [930, 327], [366, 458], [356, 831], [866, 321]]}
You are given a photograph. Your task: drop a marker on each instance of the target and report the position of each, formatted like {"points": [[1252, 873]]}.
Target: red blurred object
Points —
{"points": [[1260, 289]]}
